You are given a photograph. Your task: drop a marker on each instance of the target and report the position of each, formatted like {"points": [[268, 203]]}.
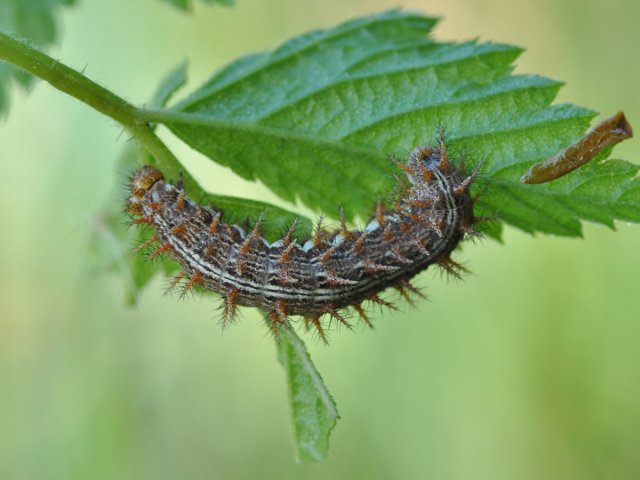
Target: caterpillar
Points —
{"points": [[318, 277]]}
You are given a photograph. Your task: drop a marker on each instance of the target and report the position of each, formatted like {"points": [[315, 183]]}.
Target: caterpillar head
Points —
{"points": [[140, 182], [423, 161]]}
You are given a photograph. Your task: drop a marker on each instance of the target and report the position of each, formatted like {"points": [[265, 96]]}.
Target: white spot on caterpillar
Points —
{"points": [[337, 240], [372, 226]]}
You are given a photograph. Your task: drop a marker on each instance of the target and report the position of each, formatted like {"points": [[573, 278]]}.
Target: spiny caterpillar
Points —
{"points": [[326, 273]]}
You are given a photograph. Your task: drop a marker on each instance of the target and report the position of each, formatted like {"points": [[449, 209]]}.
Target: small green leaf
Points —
{"points": [[228, 3], [181, 4], [169, 85], [313, 410], [114, 246], [186, 5], [316, 119], [114, 241], [34, 20]]}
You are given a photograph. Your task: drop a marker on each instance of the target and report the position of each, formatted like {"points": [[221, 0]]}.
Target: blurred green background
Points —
{"points": [[529, 368]]}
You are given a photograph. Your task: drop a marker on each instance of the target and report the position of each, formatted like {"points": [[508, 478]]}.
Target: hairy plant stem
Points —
{"points": [[72, 82]]}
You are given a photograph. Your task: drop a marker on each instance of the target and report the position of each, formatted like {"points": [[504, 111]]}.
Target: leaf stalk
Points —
{"points": [[75, 84]]}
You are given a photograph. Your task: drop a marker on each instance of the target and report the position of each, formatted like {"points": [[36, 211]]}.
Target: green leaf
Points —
{"points": [[316, 119], [113, 248], [33, 19], [186, 5], [113, 241], [169, 85], [598, 192], [313, 410]]}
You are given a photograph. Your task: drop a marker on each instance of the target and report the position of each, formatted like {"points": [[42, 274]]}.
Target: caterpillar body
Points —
{"points": [[322, 275]]}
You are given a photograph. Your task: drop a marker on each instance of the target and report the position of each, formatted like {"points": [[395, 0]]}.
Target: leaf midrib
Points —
{"points": [[354, 81], [169, 117], [448, 103], [173, 115]]}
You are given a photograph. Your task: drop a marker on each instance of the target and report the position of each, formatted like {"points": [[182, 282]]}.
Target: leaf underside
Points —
{"points": [[317, 118]]}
